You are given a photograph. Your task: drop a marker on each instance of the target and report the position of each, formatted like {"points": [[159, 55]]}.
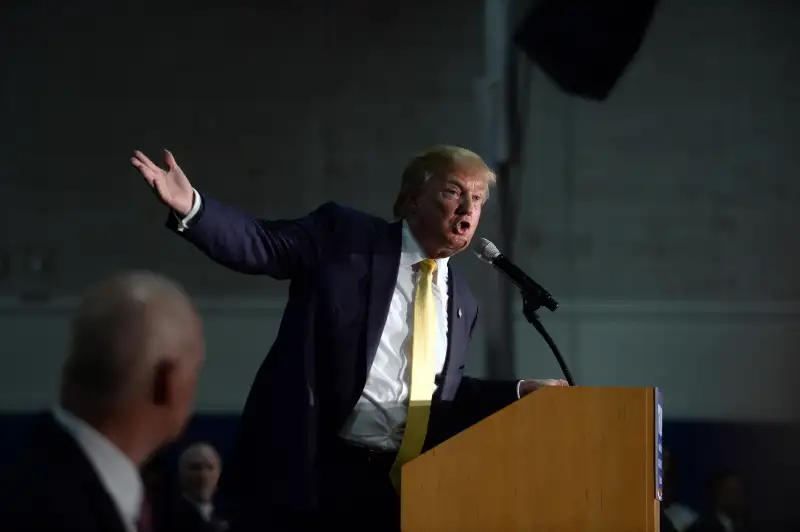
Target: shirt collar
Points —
{"points": [[116, 471], [411, 253], [725, 521], [205, 509]]}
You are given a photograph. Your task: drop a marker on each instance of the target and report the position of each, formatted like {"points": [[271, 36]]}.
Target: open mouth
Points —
{"points": [[462, 227]]}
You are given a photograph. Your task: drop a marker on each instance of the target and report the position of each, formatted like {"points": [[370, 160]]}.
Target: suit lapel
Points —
{"points": [[456, 320], [383, 278], [459, 320]]}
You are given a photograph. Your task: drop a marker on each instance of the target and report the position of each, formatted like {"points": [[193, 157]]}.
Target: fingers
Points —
{"points": [[554, 382], [141, 157], [157, 184], [145, 170], [147, 167]]}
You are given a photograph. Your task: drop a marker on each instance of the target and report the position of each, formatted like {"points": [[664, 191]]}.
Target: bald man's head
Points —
{"points": [[199, 469], [136, 343]]}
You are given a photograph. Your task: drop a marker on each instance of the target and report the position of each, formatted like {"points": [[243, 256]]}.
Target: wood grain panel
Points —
{"points": [[568, 459]]}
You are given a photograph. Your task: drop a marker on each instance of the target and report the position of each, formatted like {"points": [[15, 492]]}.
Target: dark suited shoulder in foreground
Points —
{"points": [[127, 388], [53, 487]]}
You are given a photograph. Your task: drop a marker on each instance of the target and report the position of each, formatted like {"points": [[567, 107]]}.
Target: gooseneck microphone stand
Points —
{"points": [[531, 302]]}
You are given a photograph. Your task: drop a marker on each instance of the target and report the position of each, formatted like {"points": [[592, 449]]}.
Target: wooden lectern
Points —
{"points": [[559, 460]]}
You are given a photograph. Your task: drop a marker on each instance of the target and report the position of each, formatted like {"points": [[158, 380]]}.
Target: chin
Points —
{"points": [[459, 242]]}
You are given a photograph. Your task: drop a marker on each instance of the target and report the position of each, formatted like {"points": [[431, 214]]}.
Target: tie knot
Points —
{"points": [[428, 266]]}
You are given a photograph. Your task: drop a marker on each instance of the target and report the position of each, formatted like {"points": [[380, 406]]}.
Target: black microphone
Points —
{"points": [[488, 252]]}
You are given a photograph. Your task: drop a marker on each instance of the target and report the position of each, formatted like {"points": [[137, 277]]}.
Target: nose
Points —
{"points": [[466, 204]]}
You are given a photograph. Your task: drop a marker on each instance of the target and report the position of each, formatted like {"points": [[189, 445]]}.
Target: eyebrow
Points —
{"points": [[455, 182]]}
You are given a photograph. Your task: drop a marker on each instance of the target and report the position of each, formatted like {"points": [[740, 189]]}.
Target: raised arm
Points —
{"points": [[226, 235]]}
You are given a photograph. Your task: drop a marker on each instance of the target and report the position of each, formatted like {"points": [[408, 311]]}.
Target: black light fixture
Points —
{"points": [[584, 46]]}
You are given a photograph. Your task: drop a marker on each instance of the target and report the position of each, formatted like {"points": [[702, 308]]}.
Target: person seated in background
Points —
{"points": [[728, 505], [199, 468], [127, 387], [679, 515]]}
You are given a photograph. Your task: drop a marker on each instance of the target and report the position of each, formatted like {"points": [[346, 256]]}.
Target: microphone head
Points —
{"points": [[485, 250]]}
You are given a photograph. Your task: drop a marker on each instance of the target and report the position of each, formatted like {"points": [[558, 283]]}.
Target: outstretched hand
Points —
{"points": [[171, 186]]}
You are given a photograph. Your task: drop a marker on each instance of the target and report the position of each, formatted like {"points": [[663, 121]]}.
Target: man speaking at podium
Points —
{"points": [[367, 370]]}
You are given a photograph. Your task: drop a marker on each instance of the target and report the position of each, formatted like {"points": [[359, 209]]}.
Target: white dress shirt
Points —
{"points": [[205, 509], [118, 474], [379, 417]]}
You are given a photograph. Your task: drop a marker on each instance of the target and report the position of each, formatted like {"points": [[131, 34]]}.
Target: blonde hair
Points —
{"points": [[437, 161]]}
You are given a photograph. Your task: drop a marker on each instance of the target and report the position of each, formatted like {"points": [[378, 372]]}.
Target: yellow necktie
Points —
{"points": [[423, 356]]}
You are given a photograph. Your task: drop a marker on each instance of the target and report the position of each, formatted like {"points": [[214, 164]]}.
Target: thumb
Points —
{"points": [[169, 160]]}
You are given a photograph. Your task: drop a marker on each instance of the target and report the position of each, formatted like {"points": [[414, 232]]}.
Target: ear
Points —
{"points": [[164, 383], [412, 203]]}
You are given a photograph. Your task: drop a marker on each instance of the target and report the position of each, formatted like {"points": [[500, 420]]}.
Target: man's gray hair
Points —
{"points": [[116, 337]]}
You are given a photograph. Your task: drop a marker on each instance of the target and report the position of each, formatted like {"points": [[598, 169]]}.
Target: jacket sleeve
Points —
{"points": [[479, 398], [245, 244]]}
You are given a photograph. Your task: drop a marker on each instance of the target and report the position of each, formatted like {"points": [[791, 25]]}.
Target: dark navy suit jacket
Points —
{"points": [[53, 487], [343, 267]]}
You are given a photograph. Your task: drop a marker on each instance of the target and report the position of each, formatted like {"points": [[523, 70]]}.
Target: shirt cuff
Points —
{"points": [[518, 386], [197, 202]]}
